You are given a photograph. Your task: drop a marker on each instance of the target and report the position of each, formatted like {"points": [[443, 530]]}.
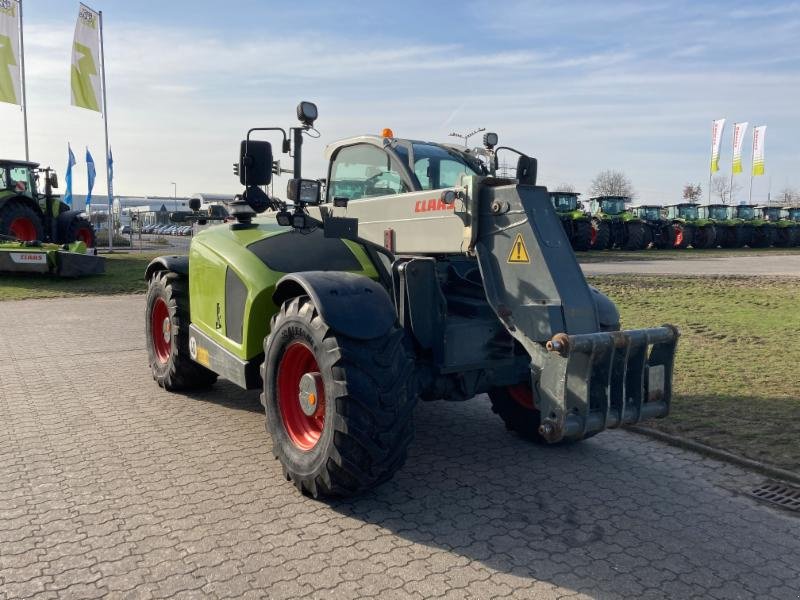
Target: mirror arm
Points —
{"points": [[285, 146]]}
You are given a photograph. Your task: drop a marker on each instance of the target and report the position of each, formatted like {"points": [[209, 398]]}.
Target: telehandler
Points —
{"points": [[421, 273]]}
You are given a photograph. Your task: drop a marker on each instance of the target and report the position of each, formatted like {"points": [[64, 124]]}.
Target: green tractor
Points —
{"points": [[576, 223], [613, 226], [792, 214], [28, 214], [658, 228], [687, 227], [787, 231], [731, 232], [421, 273], [762, 233]]}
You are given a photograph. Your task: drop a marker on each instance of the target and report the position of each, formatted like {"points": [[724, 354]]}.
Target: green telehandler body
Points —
{"points": [[420, 274]]}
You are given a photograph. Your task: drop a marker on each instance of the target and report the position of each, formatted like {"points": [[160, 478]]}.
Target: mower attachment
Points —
{"points": [[590, 382]]}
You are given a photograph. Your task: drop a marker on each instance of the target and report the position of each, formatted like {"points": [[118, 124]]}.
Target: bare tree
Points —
{"points": [[565, 187], [789, 196], [692, 193], [612, 183], [721, 188]]}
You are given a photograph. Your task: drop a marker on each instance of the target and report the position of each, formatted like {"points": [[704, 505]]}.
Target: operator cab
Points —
{"points": [[747, 212], [715, 212], [610, 205], [565, 201], [648, 212], [770, 213], [372, 166], [685, 210]]}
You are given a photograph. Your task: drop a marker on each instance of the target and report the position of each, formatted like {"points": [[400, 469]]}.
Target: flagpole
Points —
{"points": [[710, 168], [732, 158], [105, 123], [24, 93]]}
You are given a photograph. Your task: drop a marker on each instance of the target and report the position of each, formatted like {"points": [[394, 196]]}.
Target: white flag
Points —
{"points": [[10, 90], [739, 130], [85, 71], [759, 135], [716, 140]]}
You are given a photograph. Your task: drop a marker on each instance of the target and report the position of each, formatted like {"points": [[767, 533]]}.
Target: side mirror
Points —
{"points": [[194, 204], [53, 180], [526, 170], [255, 163]]}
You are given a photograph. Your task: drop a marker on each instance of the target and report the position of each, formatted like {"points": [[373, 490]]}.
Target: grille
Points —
{"points": [[777, 493]]}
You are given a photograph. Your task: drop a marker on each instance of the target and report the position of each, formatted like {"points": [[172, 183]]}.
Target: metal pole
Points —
{"points": [[710, 168], [22, 73], [750, 201], [730, 194], [105, 123]]}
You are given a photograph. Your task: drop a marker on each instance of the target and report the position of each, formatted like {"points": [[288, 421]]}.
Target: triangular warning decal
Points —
{"points": [[519, 253]]}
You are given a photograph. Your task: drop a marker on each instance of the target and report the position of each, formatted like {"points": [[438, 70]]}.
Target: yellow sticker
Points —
{"points": [[202, 356], [519, 253]]}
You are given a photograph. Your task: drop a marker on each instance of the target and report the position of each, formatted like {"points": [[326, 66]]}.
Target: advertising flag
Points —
{"points": [[68, 177], [85, 70], [716, 141], [759, 135], [90, 173], [739, 130], [10, 90]]}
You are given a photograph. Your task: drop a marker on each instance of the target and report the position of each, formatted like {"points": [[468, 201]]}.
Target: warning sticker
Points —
{"points": [[519, 253]]}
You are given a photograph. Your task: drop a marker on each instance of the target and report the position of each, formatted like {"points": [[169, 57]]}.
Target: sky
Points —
{"points": [[582, 86]]}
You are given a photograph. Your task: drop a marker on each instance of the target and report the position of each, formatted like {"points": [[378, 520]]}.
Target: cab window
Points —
{"points": [[21, 179], [437, 167], [364, 171]]}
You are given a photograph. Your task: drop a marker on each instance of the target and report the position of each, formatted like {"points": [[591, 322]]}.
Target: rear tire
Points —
{"points": [[680, 235], [167, 335], [636, 238], [601, 235], [582, 235], [355, 434], [763, 237], [21, 222], [705, 237], [515, 405]]}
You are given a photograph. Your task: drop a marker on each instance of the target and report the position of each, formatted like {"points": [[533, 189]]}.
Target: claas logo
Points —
{"points": [[431, 205]]}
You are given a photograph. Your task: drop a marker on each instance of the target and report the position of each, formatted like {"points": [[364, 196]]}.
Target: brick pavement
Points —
{"points": [[111, 487]]}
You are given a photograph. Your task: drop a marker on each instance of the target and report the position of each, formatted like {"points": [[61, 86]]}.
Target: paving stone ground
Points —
{"points": [[111, 487]]}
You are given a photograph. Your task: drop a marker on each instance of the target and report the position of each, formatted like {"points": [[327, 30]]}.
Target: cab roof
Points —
{"points": [[5, 162]]}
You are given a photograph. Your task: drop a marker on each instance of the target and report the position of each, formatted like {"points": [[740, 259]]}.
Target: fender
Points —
{"points": [[178, 264], [351, 304]]}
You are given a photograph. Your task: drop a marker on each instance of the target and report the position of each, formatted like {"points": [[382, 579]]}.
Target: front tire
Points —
{"points": [[167, 335], [80, 229], [515, 406], [582, 235], [636, 238], [339, 410]]}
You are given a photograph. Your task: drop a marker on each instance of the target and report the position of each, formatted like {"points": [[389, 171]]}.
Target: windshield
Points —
{"points": [[564, 202], [719, 213], [19, 180], [687, 212], [745, 212], [437, 167], [772, 214], [613, 206]]}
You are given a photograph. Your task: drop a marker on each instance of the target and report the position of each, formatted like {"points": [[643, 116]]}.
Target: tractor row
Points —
{"points": [[612, 223]]}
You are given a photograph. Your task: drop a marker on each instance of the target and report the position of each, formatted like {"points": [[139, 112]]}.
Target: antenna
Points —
{"points": [[466, 136]]}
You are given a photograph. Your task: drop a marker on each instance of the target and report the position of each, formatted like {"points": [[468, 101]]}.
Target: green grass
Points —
{"points": [[689, 253], [124, 275], [736, 382]]}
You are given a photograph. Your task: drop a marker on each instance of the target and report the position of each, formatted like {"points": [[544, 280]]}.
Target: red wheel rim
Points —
{"points": [[161, 330], [594, 235], [679, 237], [302, 428], [23, 229], [522, 394], [84, 234]]}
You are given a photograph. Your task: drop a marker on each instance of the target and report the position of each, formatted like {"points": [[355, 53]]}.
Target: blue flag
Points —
{"points": [[90, 172], [70, 164], [110, 166]]}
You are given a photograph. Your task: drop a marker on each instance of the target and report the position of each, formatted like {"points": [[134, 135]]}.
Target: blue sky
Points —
{"points": [[583, 86]]}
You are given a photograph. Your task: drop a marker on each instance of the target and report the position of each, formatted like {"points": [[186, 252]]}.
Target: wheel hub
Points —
{"points": [[166, 330], [310, 393]]}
